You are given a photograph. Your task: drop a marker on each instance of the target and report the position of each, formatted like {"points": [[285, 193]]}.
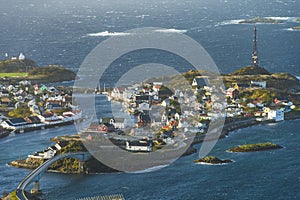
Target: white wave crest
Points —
{"points": [[151, 169], [107, 33], [142, 16], [171, 30], [286, 19], [229, 22], [291, 29]]}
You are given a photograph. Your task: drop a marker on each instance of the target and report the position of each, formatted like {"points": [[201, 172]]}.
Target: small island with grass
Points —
{"points": [[255, 147], [212, 160], [266, 20]]}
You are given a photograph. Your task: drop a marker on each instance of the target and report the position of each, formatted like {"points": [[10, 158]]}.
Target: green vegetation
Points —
{"points": [[14, 195], [212, 160], [15, 74], [265, 95], [251, 70], [73, 146], [255, 147], [18, 69], [286, 76], [283, 82], [190, 75], [60, 112], [261, 20], [51, 73], [67, 165], [20, 112]]}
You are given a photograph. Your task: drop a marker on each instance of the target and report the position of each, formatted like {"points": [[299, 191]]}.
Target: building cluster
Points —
{"points": [[156, 106], [36, 106], [258, 108], [170, 113]]}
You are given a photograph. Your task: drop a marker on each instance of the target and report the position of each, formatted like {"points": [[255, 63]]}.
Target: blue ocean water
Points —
{"points": [[258, 175], [57, 32]]}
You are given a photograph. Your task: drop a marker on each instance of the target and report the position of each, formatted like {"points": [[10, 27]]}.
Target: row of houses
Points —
{"points": [[40, 121]]}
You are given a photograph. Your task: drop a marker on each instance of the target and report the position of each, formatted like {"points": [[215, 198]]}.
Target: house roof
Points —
{"points": [[17, 121], [140, 143], [56, 105], [108, 124], [106, 119], [4, 91], [199, 81], [142, 97], [48, 114], [119, 120], [145, 118], [5, 99], [34, 119]]}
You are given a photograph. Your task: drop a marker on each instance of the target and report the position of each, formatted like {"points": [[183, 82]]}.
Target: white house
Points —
{"points": [[144, 106], [119, 122], [156, 86], [145, 146], [277, 115], [262, 84], [21, 56], [48, 117]]}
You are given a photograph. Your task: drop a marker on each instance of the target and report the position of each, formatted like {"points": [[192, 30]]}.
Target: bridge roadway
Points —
{"points": [[36, 174]]}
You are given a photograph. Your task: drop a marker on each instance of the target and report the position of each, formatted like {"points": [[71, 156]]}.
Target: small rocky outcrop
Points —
{"points": [[255, 147], [212, 160]]}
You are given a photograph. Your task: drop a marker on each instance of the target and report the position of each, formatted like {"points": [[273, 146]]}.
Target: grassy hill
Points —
{"points": [[28, 69], [51, 73], [250, 70], [279, 81], [13, 66]]}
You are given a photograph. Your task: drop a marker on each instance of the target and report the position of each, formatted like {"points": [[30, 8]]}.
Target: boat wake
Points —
{"points": [[151, 169]]}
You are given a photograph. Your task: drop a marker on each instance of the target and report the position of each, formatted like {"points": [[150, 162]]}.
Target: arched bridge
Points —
{"points": [[36, 174]]}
